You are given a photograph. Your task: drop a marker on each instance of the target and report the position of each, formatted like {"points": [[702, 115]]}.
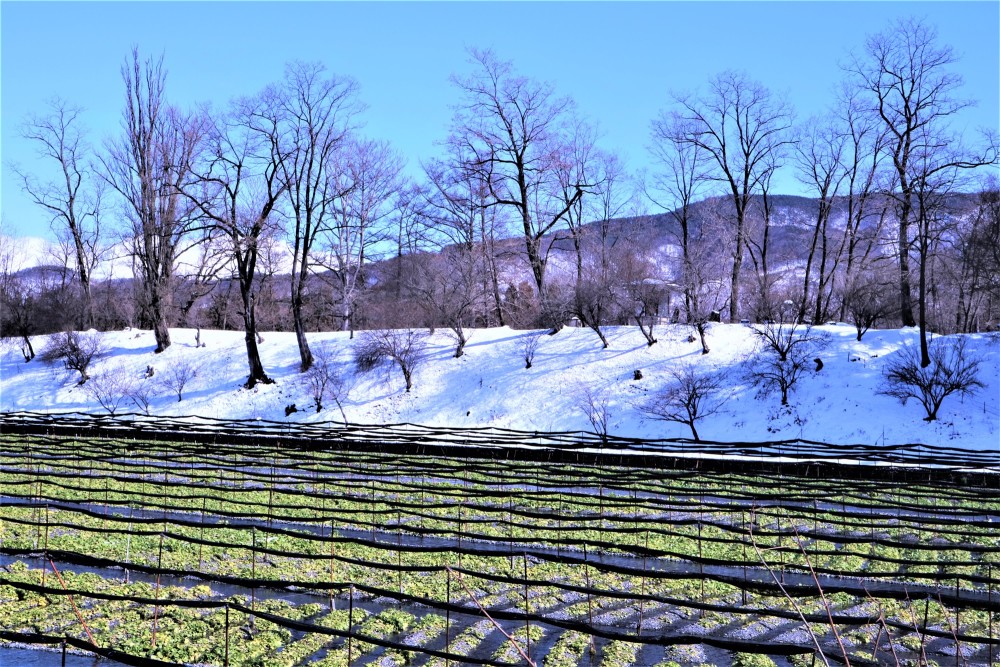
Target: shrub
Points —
{"points": [[784, 352], [952, 371], [594, 406], [75, 350], [406, 348], [325, 380], [529, 345]]}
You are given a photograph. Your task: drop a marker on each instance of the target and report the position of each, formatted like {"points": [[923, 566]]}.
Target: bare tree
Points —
{"points": [[594, 405], [739, 126], [327, 380], [786, 339], [406, 348], [770, 373], [953, 370], [367, 180], [905, 76], [675, 188], [978, 270], [17, 303], [236, 187], [511, 129], [77, 351], [691, 395], [308, 120], [110, 389], [72, 199], [595, 300], [448, 287], [863, 156], [819, 153], [785, 350], [868, 300], [458, 212], [147, 167], [529, 346], [641, 288], [178, 376]]}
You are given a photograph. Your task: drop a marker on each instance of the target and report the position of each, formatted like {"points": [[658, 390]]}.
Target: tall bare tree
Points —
{"points": [[72, 198], [862, 160], [367, 180], [236, 187], [147, 166], [458, 212], [739, 125], [310, 116], [905, 74], [937, 170], [674, 187], [819, 153], [512, 129]]}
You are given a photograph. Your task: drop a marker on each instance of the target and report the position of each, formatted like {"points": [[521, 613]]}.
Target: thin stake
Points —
{"points": [[447, 616], [350, 622], [73, 603], [201, 535], [527, 609], [332, 546], [156, 607]]}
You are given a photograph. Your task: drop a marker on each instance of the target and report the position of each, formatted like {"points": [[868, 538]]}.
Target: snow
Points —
{"points": [[489, 385]]}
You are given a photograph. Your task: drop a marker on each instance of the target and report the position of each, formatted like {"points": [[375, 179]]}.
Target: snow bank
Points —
{"points": [[489, 385]]}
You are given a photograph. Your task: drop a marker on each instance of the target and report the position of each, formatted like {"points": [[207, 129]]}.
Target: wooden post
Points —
{"points": [[332, 544], [156, 607], [447, 616], [642, 588], [350, 622], [201, 535], [253, 568], [226, 659], [527, 608]]}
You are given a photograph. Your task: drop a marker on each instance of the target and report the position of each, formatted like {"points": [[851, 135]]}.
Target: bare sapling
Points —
{"points": [[180, 375], [691, 396]]}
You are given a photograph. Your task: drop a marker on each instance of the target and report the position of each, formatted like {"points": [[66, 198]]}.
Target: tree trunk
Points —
{"points": [[925, 359], [159, 302], [305, 354], [256, 367], [734, 298], [905, 299]]}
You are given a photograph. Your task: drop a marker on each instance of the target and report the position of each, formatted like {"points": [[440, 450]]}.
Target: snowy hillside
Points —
{"points": [[489, 385]]}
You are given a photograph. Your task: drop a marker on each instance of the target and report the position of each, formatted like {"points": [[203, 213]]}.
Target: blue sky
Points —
{"points": [[618, 61]]}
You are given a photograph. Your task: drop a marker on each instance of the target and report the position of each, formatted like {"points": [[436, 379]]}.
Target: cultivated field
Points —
{"points": [[285, 553]]}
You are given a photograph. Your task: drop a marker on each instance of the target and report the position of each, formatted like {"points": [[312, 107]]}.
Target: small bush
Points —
{"points": [[406, 348], [952, 371], [76, 351], [326, 380], [752, 660]]}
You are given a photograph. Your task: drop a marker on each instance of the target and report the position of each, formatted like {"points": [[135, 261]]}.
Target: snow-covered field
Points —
{"points": [[489, 385]]}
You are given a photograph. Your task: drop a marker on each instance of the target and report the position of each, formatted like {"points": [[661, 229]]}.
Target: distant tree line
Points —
{"points": [[276, 212]]}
